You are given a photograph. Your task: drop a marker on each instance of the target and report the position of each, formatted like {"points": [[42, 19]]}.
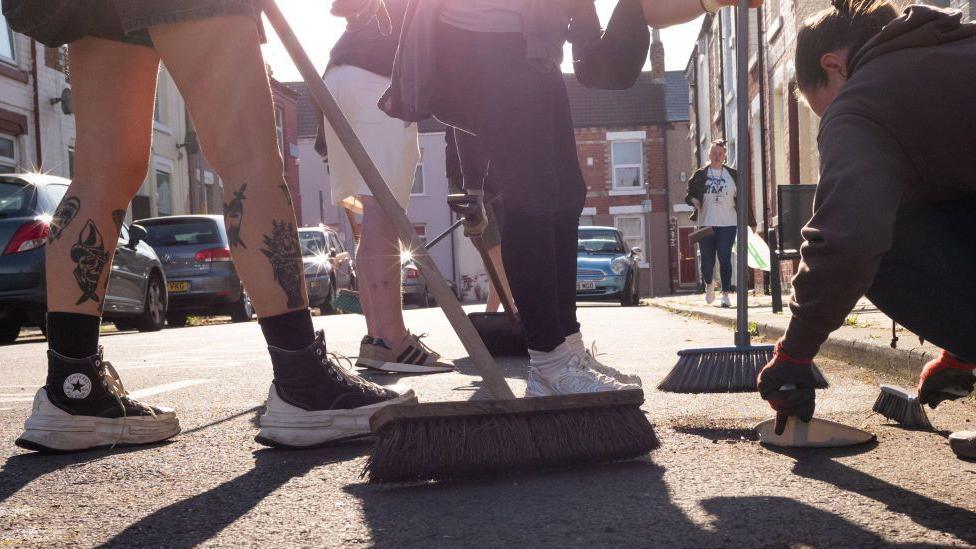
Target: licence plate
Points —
{"points": [[314, 284], [176, 287], [586, 285]]}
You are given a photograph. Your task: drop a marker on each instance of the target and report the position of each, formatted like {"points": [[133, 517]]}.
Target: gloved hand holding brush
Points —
{"points": [[787, 383], [359, 13], [945, 378], [471, 207]]}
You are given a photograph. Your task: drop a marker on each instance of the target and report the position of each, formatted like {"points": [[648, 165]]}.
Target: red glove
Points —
{"points": [[945, 378], [787, 383]]}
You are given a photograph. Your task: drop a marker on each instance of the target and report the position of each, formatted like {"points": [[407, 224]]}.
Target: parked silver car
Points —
{"points": [[136, 297], [329, 266], [201, 277]]}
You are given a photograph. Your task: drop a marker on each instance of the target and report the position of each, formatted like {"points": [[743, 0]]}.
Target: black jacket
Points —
{"points": [[696, 189]]}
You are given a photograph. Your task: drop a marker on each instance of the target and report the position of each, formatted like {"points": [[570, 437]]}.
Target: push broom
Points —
{"points": [[482, 437], [732, 369]]}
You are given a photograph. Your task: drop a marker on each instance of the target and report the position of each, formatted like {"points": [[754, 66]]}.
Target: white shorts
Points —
{"points": [[391, 143]]}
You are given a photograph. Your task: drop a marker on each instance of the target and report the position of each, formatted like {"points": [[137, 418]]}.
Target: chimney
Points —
{"points": [[657, 56]]}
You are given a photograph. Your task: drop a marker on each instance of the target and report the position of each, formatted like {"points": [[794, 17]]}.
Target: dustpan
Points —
{"points": [[818, 433]]}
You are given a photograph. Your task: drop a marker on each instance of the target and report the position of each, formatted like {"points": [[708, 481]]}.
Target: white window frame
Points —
{"points": [[621, 138], [12, 38], [423, 176], [643, 263], [279, 114], [166, 166], [11, 162]]}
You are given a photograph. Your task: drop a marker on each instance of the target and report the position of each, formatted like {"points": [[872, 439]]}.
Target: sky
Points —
{"points": [[318, 31]]}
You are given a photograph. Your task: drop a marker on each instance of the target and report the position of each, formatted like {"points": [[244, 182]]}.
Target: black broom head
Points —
{"points": [[450, 440], [898, 405], [722, 370]]}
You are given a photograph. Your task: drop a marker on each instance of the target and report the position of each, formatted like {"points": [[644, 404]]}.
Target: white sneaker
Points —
{"points": [[725, 301], [590, 361], [710, 293], [571, 378]]}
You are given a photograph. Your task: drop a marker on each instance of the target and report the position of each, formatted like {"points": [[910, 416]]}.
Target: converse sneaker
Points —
{"points": [[725, 300], [571, 378], [590, 361], [84, 406], [317, 401], [411, 356], [710, 293]]}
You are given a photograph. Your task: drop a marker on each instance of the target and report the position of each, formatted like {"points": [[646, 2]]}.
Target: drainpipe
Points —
{"points": [[38, 152], [721, 80]]}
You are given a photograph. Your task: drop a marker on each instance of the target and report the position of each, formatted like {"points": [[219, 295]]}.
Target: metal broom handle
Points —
{"points": [[494, 380], [743, 188]]}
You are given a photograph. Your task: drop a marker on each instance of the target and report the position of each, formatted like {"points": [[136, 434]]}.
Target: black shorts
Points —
{"points": [[58, 22]]}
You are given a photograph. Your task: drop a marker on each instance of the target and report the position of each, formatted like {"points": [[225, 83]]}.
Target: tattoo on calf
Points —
{"points": [[284, 189], [90, 256], [118, 216], [284, 253], [63, 215], [234, 216]]}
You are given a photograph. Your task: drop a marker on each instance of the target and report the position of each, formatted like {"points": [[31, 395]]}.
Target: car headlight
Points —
{"points": [[618, 266]]}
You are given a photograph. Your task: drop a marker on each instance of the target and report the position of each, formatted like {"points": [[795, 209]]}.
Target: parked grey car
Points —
{"points": [[328, 266], [201, 278], [136, 297]]}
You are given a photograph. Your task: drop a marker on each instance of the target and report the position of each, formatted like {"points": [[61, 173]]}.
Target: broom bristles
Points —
{"points": [[441, 448], [901, 407], [722, 370]]}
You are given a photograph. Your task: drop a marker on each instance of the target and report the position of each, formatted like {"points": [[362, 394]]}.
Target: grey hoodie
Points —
{"points": [[901, 129]]}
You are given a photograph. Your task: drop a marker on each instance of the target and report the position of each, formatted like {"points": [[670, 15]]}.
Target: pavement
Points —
{"points": [[709, 485], [865, 338]]}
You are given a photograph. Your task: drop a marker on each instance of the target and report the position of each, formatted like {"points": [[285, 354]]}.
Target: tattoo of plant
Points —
{"points": [[234, 216], [118, 216], [284, 253], [63, 216], [90, 256], [284, 189]]}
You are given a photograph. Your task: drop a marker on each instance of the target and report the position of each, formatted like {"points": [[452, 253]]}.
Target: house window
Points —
{"points": [[628, 164], [8, 154], [280, 129], [421, 230], [418, 176], [586, 220], [164, 193], [71, 162], [632, 227], [6, 42]]}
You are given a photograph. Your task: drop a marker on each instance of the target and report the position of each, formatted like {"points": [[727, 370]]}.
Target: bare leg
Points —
{"points": [[114, 90], [378, 269], [227, 91]]}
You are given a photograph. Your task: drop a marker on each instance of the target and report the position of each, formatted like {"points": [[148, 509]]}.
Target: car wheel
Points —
{"points": [[243, 310], [176, 320], [9, 330], [352, 282], [154, 315]]}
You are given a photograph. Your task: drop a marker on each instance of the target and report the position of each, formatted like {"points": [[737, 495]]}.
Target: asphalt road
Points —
{"points": [[710, 484]]}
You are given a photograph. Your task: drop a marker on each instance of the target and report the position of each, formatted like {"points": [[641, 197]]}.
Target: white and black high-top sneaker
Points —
{"points": [[313, 400], [84, 406]]}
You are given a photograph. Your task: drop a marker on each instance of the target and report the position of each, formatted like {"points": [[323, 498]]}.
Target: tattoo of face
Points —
{"points": [[118, 216], [90, 256], [63, 215], [234, 216], [284, 189], [284, 253]]}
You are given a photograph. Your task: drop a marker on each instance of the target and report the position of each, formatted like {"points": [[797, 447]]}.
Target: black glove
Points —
{"points": [[360, 13], [789, 387], [471, 208], [945, 378]]}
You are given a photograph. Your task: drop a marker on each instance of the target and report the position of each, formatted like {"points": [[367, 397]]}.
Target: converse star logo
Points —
{"points": [[77, 386]]}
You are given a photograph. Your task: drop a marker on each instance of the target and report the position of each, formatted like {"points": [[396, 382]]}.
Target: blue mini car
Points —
{"points": [[605, 269]]}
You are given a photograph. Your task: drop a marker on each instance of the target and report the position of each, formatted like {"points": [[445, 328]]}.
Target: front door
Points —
{"points": [[688, 259]]}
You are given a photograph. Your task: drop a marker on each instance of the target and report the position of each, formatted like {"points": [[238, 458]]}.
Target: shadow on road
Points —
{"points": [[195, 520]]}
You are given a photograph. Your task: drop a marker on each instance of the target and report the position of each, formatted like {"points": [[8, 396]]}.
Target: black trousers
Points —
{"points": [[522, 119], [927, 281]]}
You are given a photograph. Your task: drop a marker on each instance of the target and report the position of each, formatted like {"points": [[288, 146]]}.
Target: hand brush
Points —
{"points": [[454, 439], [902, 407]]}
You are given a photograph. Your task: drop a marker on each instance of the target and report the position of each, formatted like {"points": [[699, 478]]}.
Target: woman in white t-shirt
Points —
{"points": [[712, 192]]}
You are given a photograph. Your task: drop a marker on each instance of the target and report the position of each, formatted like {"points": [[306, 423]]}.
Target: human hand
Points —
{"points": [[471, 208], [945, 378], [360, 13], [787, 384]]}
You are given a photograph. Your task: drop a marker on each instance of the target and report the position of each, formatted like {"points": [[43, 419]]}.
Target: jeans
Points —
{"points": [[522, 119], [719, 243], [926, 281]]}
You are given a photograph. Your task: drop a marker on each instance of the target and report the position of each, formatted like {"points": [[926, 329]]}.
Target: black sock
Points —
{"points": [[73, 335], [291, 331]]}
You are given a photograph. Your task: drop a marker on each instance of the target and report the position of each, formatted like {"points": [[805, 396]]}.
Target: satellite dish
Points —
{"points": [[67, 105]]}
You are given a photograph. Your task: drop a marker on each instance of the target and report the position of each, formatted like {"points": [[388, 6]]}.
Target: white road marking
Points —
{"points": [[159, 389], [13, 395]]}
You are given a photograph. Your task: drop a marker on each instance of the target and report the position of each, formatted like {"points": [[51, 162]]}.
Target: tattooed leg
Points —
{"points": [[90, 258], [284, 253], [234, 216], [118, 217], [63, 216]]}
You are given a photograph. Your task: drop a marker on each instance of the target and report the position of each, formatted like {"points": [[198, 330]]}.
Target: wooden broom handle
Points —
{"points": [[483, 361]]}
